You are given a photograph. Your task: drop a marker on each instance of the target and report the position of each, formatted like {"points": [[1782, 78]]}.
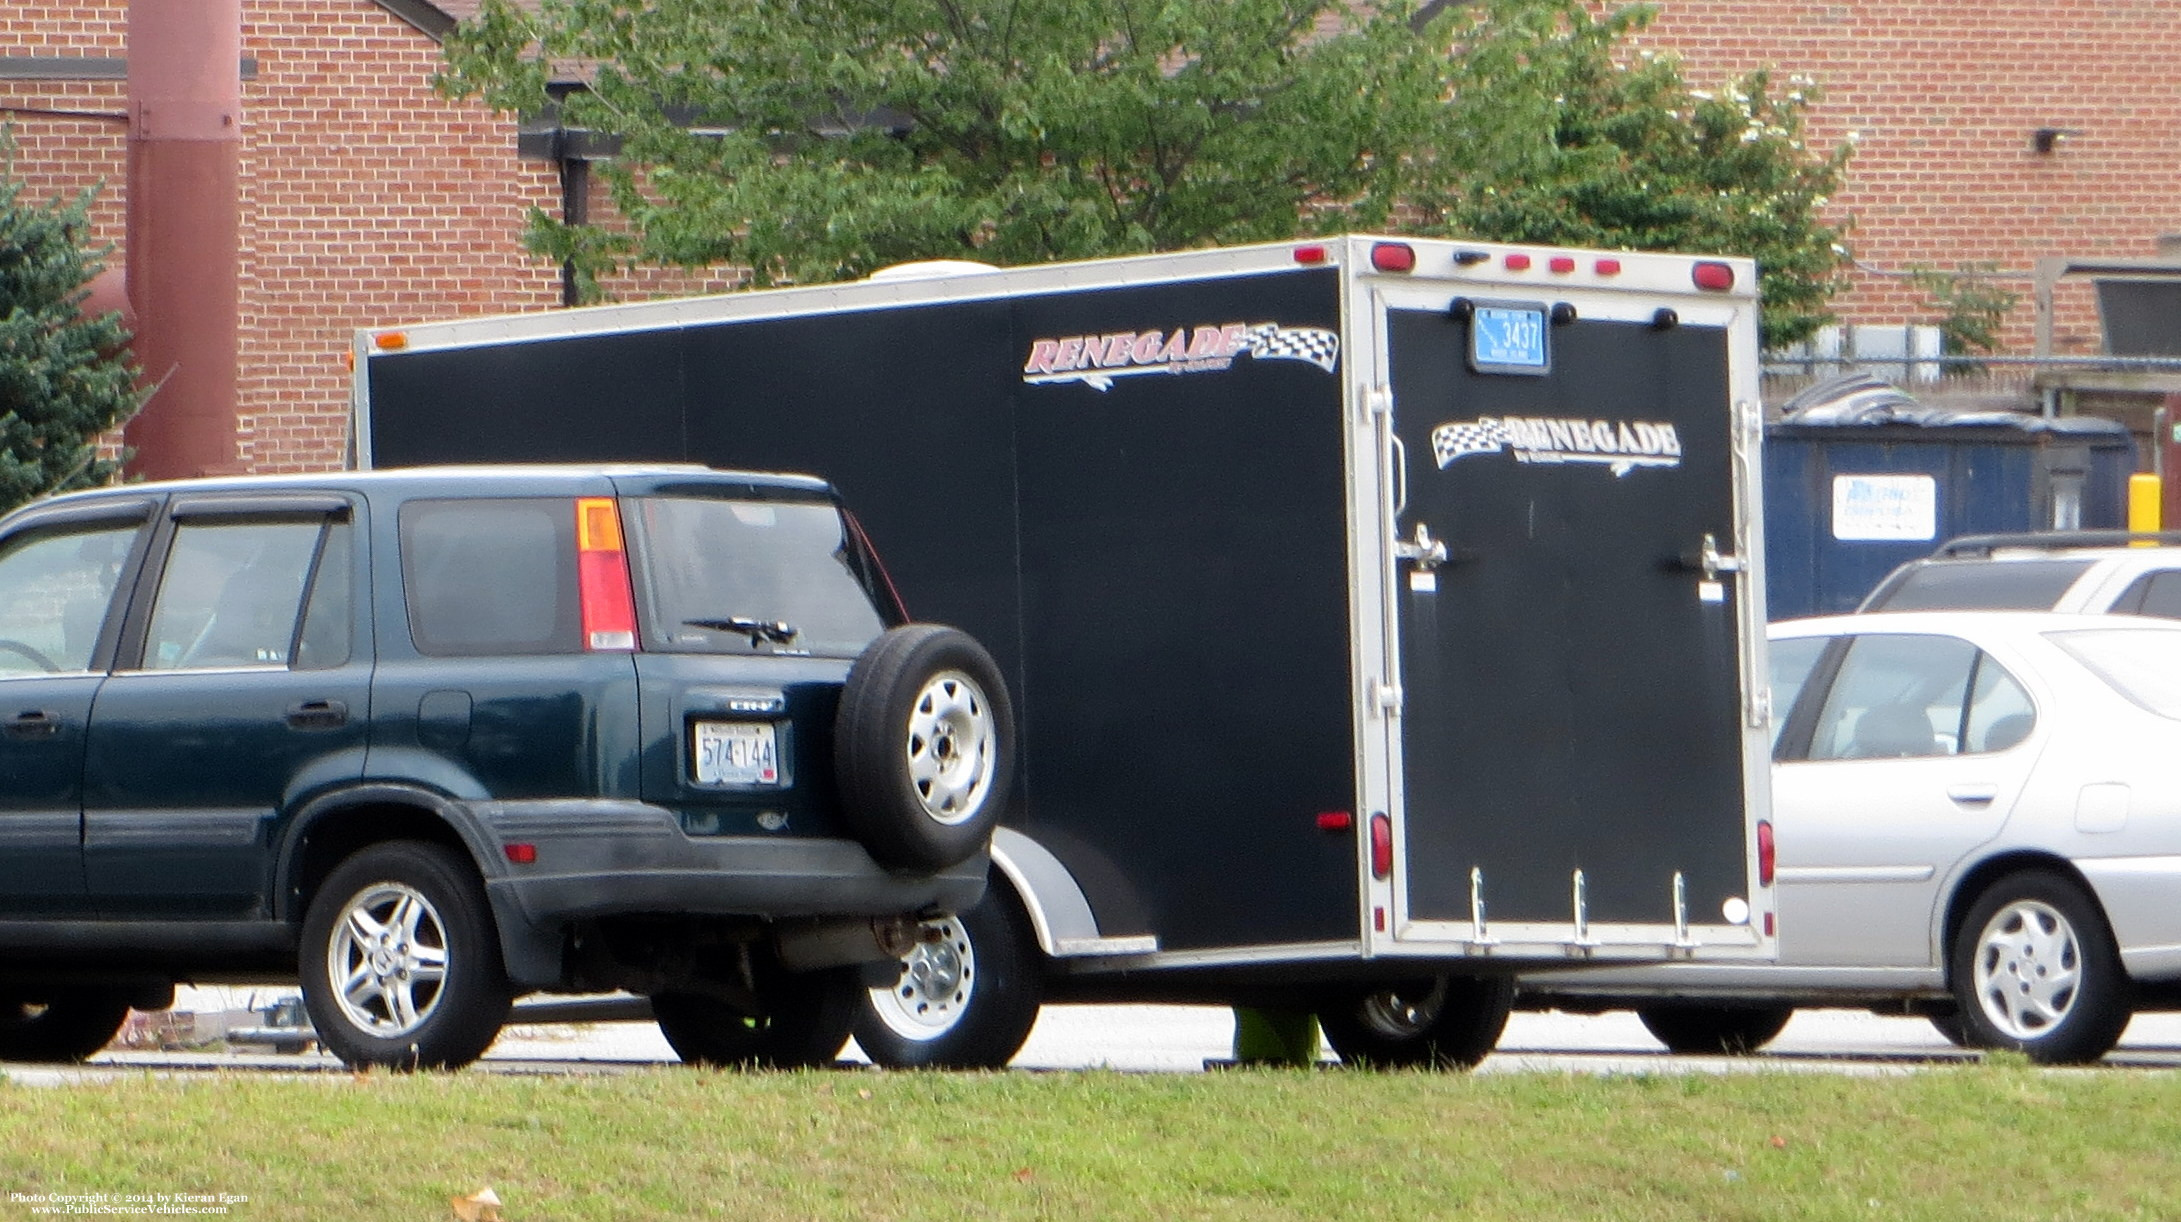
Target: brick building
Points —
{"points": [[366, 197]]}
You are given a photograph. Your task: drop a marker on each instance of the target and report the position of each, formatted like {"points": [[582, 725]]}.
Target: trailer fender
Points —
{"points": [[1059, 913]]}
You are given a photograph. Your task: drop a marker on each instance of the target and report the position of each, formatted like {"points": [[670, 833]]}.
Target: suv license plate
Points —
{"points": [[736, 753]]}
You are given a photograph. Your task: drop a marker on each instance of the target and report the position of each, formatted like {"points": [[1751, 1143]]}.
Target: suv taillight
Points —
{"points": [[602, 576]]}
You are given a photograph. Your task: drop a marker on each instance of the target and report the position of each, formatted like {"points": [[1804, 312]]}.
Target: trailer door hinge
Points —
{"points": [[1379, 402], [1388, 697]]}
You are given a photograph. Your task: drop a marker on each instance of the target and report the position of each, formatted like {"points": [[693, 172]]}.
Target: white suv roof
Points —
{"points": [[2104, 571]]}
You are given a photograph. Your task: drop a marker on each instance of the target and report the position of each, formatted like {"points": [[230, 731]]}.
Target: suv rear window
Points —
{"points": [[709, 562], [2004, 585], [491, 576]]}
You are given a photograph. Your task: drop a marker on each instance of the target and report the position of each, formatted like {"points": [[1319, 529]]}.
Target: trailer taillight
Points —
{"points": [[1381, 845], [1713, 277], [1393, 257], [1765, 852], [607, 599], [1310, 255]]}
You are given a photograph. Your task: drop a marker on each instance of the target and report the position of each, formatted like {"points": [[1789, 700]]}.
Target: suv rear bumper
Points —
{"points": [[610, 858]]}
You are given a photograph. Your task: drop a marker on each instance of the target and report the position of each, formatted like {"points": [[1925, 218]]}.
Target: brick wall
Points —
{"points": [[366, 198], [1940, 98]]}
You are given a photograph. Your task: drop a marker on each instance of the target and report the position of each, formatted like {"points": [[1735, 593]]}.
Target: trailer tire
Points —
{"points": [[437, 994], [1724, 1028], [2034, 970], [923, 746], [805, 1023], [59, 1026], [1451, 1022], [966, 1001]]}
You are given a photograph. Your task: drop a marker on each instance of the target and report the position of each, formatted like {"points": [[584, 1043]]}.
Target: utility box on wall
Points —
{"points": [[1850, 495]]}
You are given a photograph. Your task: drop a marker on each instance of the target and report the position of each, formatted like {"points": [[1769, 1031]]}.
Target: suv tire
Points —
{"points": [[59, 1026], [805, 1023], [400, 960], [924, 747]]}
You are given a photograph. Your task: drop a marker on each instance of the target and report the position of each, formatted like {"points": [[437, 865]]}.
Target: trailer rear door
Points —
{"points": [[1569, 750]]}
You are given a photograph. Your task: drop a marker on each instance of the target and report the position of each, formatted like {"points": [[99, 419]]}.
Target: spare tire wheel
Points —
{"points": [[924, 747]]}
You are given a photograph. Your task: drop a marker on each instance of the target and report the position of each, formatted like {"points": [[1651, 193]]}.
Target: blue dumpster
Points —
{"points": [[1859, 478]]}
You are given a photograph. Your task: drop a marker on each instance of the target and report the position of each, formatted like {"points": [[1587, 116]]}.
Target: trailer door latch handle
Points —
{"points": [[1710, 561], [1427, 552]]}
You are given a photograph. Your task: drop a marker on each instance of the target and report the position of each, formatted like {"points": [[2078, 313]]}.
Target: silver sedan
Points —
{"points": [[1977, 818]]}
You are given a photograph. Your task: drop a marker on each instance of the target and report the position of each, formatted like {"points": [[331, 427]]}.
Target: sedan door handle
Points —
{"points": [[33, 723], [318, 715], [1973, 795]]}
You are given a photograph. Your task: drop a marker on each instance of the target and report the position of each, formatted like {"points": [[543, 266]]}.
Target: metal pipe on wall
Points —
{"points": [[183, 251]]}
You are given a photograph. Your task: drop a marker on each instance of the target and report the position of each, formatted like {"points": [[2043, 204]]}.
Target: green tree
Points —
{"points": [[61, 383], [819, 140]]}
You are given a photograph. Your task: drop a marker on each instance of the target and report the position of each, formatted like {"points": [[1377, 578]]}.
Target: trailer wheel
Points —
{"points": [[964, 1000], [1451, 1022], [2034, 970], [1714, 1028], [59, 1026], [400, 962], [924, 747], [805, 1022]]}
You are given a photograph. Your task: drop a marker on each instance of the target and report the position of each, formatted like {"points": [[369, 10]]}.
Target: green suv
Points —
{"points": [[430, 739]]}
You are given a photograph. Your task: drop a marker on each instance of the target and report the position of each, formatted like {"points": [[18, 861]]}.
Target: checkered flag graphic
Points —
{"points": [[1273, 342], [1451, 441]]}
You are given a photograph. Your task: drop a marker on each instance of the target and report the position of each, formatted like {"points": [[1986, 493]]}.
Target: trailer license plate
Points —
{"points": [[736, 753]]}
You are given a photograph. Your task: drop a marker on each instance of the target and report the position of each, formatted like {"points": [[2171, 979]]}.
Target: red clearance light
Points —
{"points": [[1607, 267], [1393, 257], [1713, 277], [1771, 926], [1335, 821], [1310, 254], [1765, 853], [391, 341], [607, 599], [1517, 263], [1381, 846], [521, 854], [1562, 264]]}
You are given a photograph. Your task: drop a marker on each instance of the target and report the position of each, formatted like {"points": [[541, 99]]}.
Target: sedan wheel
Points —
{"points": [[2034, 970]]}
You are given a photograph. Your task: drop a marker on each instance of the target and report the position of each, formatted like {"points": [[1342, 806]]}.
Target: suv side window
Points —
{"points": [[55, 588], [491, 576], [231, 592], [2156, 594]]}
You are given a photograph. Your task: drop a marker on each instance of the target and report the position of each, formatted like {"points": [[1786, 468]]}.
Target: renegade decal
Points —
{"points": [[1096, 360], [1621, 445]]}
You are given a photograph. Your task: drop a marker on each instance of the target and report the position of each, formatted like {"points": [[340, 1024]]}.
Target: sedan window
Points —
{"points": [[2145, 667], [1896, 696], [1792, 661]]}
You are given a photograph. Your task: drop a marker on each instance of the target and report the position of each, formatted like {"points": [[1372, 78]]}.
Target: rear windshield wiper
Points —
{"points": [[779, 632]]}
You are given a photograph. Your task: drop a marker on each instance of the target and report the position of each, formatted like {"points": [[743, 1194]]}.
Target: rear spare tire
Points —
{"points": [[924, 747]]}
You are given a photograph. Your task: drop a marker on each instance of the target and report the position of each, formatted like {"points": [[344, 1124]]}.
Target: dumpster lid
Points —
{"points": [[1862, 400]]}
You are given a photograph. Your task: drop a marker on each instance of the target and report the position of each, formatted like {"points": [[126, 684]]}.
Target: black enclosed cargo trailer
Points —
{"points": [[1375, 609]]}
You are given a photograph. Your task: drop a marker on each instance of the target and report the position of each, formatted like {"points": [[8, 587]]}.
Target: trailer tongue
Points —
{"points": [[1380, 611]]}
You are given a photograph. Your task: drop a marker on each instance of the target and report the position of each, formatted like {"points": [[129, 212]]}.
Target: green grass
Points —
{"points": [[1983, 1142]]}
